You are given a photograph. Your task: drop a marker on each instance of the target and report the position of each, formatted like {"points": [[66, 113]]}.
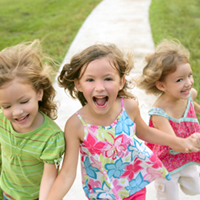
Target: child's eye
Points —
{"points": [[89, 80], [5, 107], [190, 75], [108, 79], [23, 102], [179, 80]]}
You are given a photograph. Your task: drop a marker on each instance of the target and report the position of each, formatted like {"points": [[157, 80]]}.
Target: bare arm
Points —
{"points": [[67, 174], [155, 136], [163, 124], [49, 175]]}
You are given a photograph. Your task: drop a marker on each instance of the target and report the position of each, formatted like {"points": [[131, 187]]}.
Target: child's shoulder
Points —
{"points": [[74, 126], [130, 103], [49, 123], [131, 107], [74, 120]]}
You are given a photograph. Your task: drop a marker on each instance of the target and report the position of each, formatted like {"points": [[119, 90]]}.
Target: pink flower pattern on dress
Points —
{"points": [[94, 184], [132, 169], [155, 161], [152, 174], [93, 145], [95, 163], [93, 129], [117, 185], [115, 147], [108, 168]]}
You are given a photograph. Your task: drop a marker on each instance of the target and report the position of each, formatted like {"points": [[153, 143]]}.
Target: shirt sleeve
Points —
{"points": [[54, 149]]}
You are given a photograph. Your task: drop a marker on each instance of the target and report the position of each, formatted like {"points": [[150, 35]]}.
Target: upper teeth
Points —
{"points": [[21, 118]]}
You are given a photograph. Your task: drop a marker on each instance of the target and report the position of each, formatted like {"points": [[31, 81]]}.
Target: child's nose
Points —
{"points": [[189, 81], [99, 86], [17, 111]]}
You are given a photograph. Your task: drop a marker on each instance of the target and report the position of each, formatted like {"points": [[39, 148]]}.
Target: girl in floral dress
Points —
{"points": [[115, 163], [168, 73]]}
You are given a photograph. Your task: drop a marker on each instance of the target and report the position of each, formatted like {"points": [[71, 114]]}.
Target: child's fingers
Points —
{"points": [[187, 150], [192, 149], [196, 139], [194, 143]]}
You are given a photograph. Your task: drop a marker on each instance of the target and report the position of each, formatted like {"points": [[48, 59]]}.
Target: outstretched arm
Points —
{"points": [[163, 124], [67, 174], [155, 136]]}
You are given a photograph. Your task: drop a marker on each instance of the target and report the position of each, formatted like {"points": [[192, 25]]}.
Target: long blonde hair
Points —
{"points": [[26, 61], [71, 71], [168, 54]]}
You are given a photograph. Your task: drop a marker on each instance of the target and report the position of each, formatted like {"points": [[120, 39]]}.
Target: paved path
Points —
{"points": [[125, 23]]}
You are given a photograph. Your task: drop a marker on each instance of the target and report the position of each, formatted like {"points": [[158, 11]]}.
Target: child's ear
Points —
{"points": [[40, 94], [122, 82], [77, 85], [160, 85]]}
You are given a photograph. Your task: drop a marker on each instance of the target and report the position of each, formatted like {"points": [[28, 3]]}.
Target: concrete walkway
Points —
{"points": [[125, 23]]}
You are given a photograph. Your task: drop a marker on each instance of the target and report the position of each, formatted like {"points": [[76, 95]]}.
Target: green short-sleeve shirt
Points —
{"points": [[24, 155]]}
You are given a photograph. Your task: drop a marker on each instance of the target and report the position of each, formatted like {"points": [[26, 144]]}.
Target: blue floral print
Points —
{"points": [[91, 171], [136, 150], [123, 124], [137, 184], [116, 169], [104, 192]]}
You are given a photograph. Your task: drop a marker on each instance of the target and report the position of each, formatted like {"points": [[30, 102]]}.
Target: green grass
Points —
{"points": [[54, 22], [179, 19]]}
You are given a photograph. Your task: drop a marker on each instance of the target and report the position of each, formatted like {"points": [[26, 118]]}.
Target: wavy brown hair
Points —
{"points": [[168, 54], [71, 71], [27, 62]]}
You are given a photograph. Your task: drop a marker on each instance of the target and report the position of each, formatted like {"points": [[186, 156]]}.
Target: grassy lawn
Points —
{"points": [[179, 19], [55, 23]]}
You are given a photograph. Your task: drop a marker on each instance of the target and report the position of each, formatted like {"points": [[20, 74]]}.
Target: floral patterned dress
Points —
{"points": [[183, 127], [114, 163]]}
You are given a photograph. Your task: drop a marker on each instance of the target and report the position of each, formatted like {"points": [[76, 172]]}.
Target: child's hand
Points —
{"points": [[193, 143]]}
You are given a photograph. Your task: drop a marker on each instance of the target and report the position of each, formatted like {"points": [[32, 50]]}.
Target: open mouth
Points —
{"points": [[22, 119], [100, 101], [186, 91]]}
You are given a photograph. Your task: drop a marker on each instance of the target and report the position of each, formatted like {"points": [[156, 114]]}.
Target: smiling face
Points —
{"points": [[179, 83], [100, 83], [19, 103]]}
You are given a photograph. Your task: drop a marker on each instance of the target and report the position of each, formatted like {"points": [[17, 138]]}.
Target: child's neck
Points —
{"points": [[173, 107]]}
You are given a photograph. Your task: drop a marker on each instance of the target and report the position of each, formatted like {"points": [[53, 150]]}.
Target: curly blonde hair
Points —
{"points": [[26, 61], [71, 71], [168, 54]]}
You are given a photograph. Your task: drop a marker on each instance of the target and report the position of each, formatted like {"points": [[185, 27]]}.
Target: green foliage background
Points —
{"points": [[54, 22]]}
